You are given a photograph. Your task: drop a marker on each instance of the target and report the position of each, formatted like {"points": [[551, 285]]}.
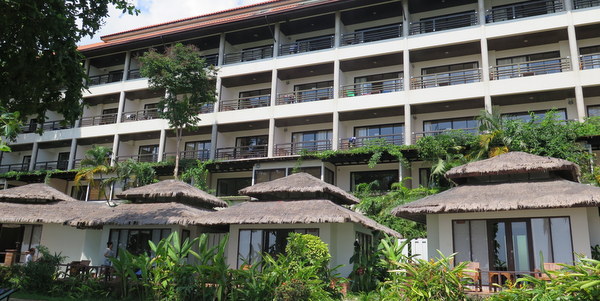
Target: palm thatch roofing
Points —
{"points": [[291, 212], [33, 193], [47, 213], [172, 191], [299, 186], [545, 194], [514, 163]]}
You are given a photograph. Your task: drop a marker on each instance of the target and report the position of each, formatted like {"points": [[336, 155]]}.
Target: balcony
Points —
{"points": [[446, 79], [374, 87], [590, 61], [577, 4], [202, 154], [296, 148], [146, 114], [98, 120], [51, 165], [242, 152], [419, 135], [211, 60], [301, 96], [372, 35], [14, 167], [134, 74], [307, 45], [245, 103], [253, 54], [444, 23], [207, 108], [348, 143], [105, 78], [523, 10], [47, 126], [530, 68], [139, 158]]}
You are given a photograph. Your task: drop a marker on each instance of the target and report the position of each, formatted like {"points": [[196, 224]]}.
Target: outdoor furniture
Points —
{"points": [[548, 266], [5, 293], [499, 275], [475, 275]]}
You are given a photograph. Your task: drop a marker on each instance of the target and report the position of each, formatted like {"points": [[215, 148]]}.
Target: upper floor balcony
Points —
{"points": [[590, 61], [98, 120], [419, 135], [242, 152], [372, 35], [46, 126], [446, 78], [307, 45], [372, 87], [530, 68], [101, 79], [297, 148], [308, 95], [144, 114], [247, 55], [201, 154], [138, 158], [245, 103], [358, 141], [4, 168], [441, 23], [523, 10], [577, 4]]}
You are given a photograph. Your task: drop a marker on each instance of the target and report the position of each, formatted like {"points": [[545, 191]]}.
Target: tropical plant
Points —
{"points": [[493, 140], [10, 126], [134, 174], [95, 163], [38, 276]]}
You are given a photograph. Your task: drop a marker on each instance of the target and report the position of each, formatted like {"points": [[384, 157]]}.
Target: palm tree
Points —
{"points": [[493, 140], [95, 162]]}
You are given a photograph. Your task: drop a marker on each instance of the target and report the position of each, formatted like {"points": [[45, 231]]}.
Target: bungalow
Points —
{"points": [[511, 213]]}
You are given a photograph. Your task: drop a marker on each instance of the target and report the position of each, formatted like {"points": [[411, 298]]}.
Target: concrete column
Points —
{"points": [[221, 50], [336, 130], [115, 150], [276, 33], [121, 106], [161, 144], [213, 141], [219, 98], [405, 19], [485, 72], [274, 82], [568, 5], [575, 63], [336, 79], [126, 66], [481, 11], [406, 69], [72, 153], [407, 125], [338, 29], [34, 153], [271, 144]]}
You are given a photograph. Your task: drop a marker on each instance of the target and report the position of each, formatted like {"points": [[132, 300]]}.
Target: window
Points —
{"points": [[230, 187], [363, 244], [593, 111], [435, 127], [254, 146], [590, 57], [109, 116], [526, 116], [148, 153], [522, 10], [25, 163], [377, 83], [254, 98], [199, 150], [311, 141], [527, 65], [19, 237], [392, 133], [256, 53], [150, 111], [329, 176], [424, 177], [458, 20], [136, 240], [462, 73], [79, 192], [314, 91], [266, 175], [252, 243], [63, 161], [382, 180]]}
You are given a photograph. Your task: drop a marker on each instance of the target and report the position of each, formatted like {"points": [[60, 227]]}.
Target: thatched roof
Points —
{"points": [[552, 193], [33, 193], [298, 186], [291, 212], [48, 213], [172, 191], [514, 163]]}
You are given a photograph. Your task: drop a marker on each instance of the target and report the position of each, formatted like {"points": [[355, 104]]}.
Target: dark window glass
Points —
{"points": [[148, 153], [391, 132], [136, 240], [313, 171], [199, 150], [329, 176], [79, 192], [434, 127], [589, 50], [424, 176], [63, 161], [593, 111], [230, 187], [382, 180], [449, 68], [266, 175], [526, 116], [251, 243]]}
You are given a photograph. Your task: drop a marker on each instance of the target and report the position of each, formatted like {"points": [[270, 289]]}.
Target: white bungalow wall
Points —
{"points": [[75, 244]]}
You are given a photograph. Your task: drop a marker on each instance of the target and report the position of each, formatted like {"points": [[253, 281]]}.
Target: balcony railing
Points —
{"points": [[419, 135], [372, 35], [211, 60], [305, 96], [77, 163], [207, 108], [98, 120], [446, 79], [347, 143], [105, 78], [242, 152], [249, 55], [14, 167], [139, 158], [577, 4], [306, 45], [47, 126], [202, 154], [245, 103], [523, 10], [134, 74], [296, 148], [374, 87], [52, 165], [590, 61], [146, 114], [444, 23], [530, 68]]}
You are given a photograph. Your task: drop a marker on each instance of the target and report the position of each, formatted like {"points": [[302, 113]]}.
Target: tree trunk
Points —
{"points": [[178, 134]]}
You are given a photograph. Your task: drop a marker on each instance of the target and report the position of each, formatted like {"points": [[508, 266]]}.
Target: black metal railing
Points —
{"points": [[347, 143], [242, 152], [305, 96], [145, 114], [530, 68], [306, 45], [51, 165], [590, 61], [14, 167], [296, 148], [98, 120], [418, 135], [55, 125], [134, 74], [523, 10], [372, 35], [444, 23], [105, 78], [374, 87], [446, 79], [139, 158], [245, 103], [577, 4], [249, 55], [202, 154], [211, 60]]}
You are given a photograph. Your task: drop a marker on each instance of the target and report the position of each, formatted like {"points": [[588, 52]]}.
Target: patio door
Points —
{"points": [[510, 245]]}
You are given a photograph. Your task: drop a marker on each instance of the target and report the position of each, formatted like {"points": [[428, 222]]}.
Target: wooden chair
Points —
{"points": [[548, 266], [475, 275]]}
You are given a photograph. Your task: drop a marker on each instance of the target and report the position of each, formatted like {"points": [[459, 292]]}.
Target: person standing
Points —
{"points": [[29, 257], [108, 254]]}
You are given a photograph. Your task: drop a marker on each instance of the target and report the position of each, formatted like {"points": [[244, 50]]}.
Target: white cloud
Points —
{"points": [[160, 11]]}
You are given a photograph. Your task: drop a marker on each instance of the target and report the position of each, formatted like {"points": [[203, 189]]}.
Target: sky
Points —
{"points": [[160, 11]]}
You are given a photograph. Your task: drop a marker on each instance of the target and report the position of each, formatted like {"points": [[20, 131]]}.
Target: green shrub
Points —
{"points": [[295, 290], [38, 276]]}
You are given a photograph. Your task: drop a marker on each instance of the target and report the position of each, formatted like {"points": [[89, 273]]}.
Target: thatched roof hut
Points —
{"points": [[291, 212], [172, 191], [299, 186], [47, 213], [33, 193], [514, 163]]}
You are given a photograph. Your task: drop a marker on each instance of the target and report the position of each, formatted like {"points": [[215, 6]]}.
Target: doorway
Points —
{"points": [[11, 238], [510, 245]]}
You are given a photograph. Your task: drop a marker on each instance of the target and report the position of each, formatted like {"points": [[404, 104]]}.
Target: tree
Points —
{"points": [[95, 162], [10, 125], [40, 66], [188, 81]]}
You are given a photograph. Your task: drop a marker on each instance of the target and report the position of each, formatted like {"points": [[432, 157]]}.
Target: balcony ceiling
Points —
{"points": [[305, 71], [201, 130], [294, 27], [21, 147], [304, 120], [262, 33], [246, 79], [446, 106], [96, 140], [205, 43], [591, 91], [144, 94], [373, 113], [102, 99], [55, 144], [418, 6], [373, 13], [588, 31], [108, 60], [140, 136], [445, 52], [243, 126], [527, 40], [373, 62], [505, 100]]}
